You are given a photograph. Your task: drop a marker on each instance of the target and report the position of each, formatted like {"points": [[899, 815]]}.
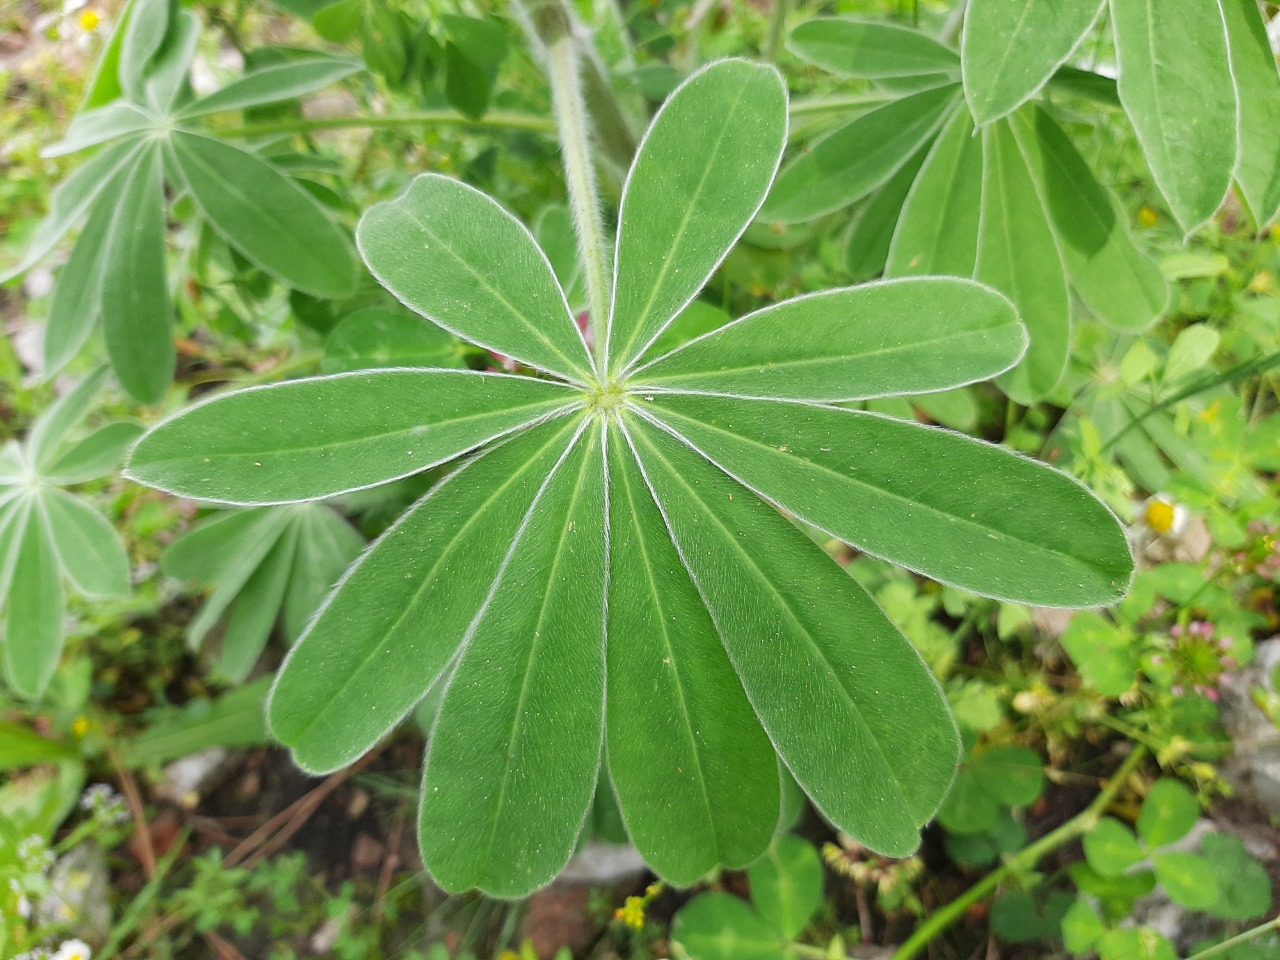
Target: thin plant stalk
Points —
{"points": [[496, 120], [1217, 950], [777, 28], [1022, 861], [580, 178]]}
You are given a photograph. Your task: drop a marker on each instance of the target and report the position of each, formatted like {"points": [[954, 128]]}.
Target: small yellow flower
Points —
{"points": [[80, 726], [1148, 218], [631, 913], [90, 19], [1264, 281]]}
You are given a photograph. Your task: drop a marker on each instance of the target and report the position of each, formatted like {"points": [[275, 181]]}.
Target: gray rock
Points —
{"points": [[1254, 765]]}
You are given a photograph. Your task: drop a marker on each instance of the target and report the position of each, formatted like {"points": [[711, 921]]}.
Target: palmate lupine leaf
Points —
{"points": [[982, 183], [606, 585], [264, 565], [148, 136], [48, 535]]}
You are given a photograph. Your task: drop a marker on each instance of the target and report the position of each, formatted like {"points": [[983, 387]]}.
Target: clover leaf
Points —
{"points": [[608, 580]]}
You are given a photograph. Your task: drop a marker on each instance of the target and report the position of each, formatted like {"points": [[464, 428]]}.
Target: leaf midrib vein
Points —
{"points": [[675, 670], [534, 648], [497, 294], [445, 554], [825, 359], [674, 248], [304, 250], [786, 606], [953, 519], [373, 437]]}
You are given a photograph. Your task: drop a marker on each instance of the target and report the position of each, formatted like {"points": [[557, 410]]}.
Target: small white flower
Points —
{"points": [[104, 803], [21, 903], [1164, 515], [35, 854], [73, 950]]}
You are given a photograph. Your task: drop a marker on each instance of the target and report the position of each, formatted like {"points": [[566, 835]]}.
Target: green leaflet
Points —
{"points": [[1116, 280], [401, 612], [956, 509], [512, 762], [327, 545], [238, 560], [1186, 878], [266, 216], [1168, 813], [1176, 86], [871, 49], [273, 83], [135, 297], [700, 175], [167, 73], [315, 438], [78, 295], [695, 774], [255, 608], [872, 228], [1018, 254], [103, 83], [35, 607], [72, 198], [148, 22], [87, 546], [473, 53], [455, 256], [859, 157], [263, 565], [96, 455], [210, 551], [1010, 49], [13, 521], [1253, 65], [375, 337], [49, 434], [118, 119], [850, 706], [840, 345], [937, 231]]}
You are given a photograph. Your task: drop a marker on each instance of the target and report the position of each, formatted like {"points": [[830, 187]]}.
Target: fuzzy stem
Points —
{"points": [[580, 178], [1022, 861], [497, 119], [777, 27]]}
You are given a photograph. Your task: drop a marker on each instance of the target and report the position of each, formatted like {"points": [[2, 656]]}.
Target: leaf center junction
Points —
{"points": [[605, 399]]}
